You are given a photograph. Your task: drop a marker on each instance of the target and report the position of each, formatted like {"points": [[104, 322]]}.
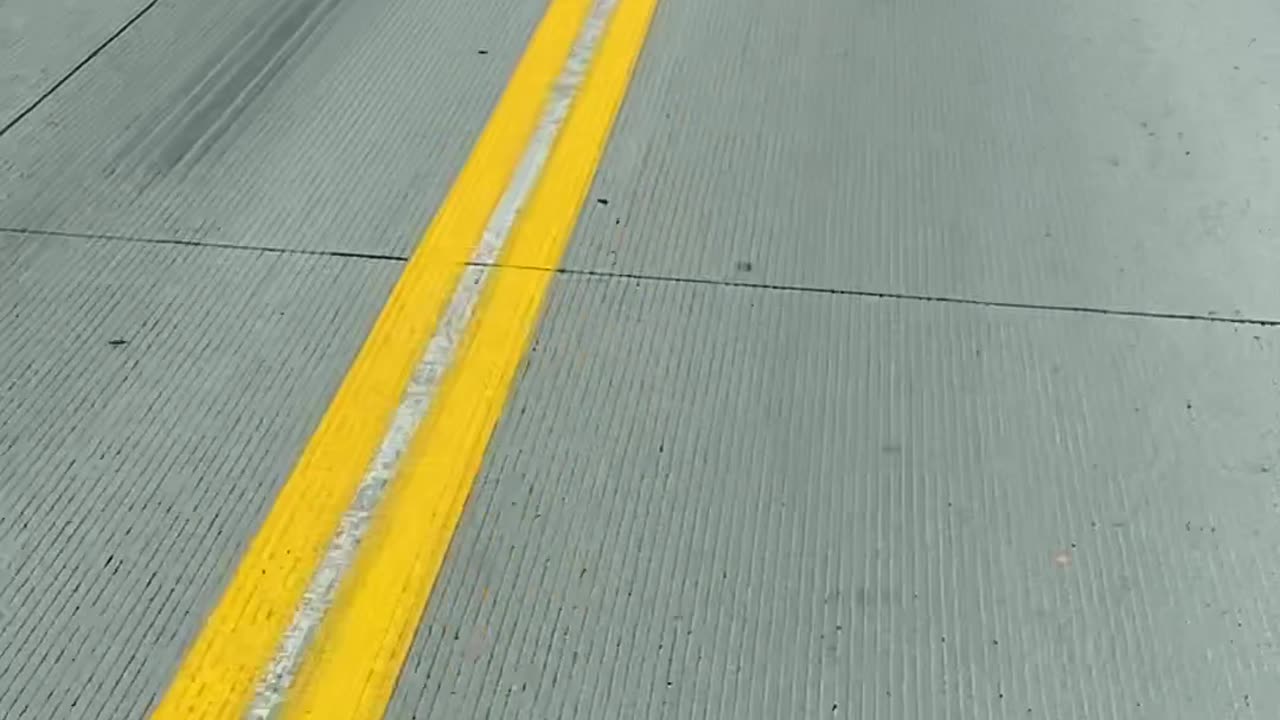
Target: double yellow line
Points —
{"points": [[351, 662]]}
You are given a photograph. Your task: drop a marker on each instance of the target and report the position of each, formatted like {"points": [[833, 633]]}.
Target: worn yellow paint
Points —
{"points": [[218, 675], [351, 667]]}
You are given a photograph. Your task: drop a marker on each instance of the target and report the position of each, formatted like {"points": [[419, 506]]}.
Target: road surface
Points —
{"points": [[595, 359]]}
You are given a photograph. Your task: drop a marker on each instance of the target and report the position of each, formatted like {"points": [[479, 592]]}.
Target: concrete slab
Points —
{"points": [[319, 124], [1116, 154], [731, 484], [712, 495], [41, 41], [152, 401], [709, 501]]}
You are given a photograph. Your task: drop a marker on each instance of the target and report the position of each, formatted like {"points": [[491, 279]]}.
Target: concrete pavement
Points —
{"points": [[897, 359]]}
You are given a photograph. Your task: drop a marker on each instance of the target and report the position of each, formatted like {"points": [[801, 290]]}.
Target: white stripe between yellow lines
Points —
{"points": [[452, 376]]}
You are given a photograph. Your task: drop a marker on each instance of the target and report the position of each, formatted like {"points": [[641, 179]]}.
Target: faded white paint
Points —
{"points": [[425, 382]]}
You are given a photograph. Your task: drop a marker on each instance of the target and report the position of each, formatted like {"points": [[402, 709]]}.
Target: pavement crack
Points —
{"points": [[274, 250], [66, 77], [911, 297]]}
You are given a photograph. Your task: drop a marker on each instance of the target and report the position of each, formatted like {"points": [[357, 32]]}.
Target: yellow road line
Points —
{"points": [[351, 667], [218, 675]]}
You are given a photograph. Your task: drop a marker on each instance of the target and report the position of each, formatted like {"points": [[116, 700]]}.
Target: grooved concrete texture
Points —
{"points": [[744, 503], [724, 502], [702, 501], [1119, 153], [152, 401], [318, 124], [132, 475], [42, 40]]}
